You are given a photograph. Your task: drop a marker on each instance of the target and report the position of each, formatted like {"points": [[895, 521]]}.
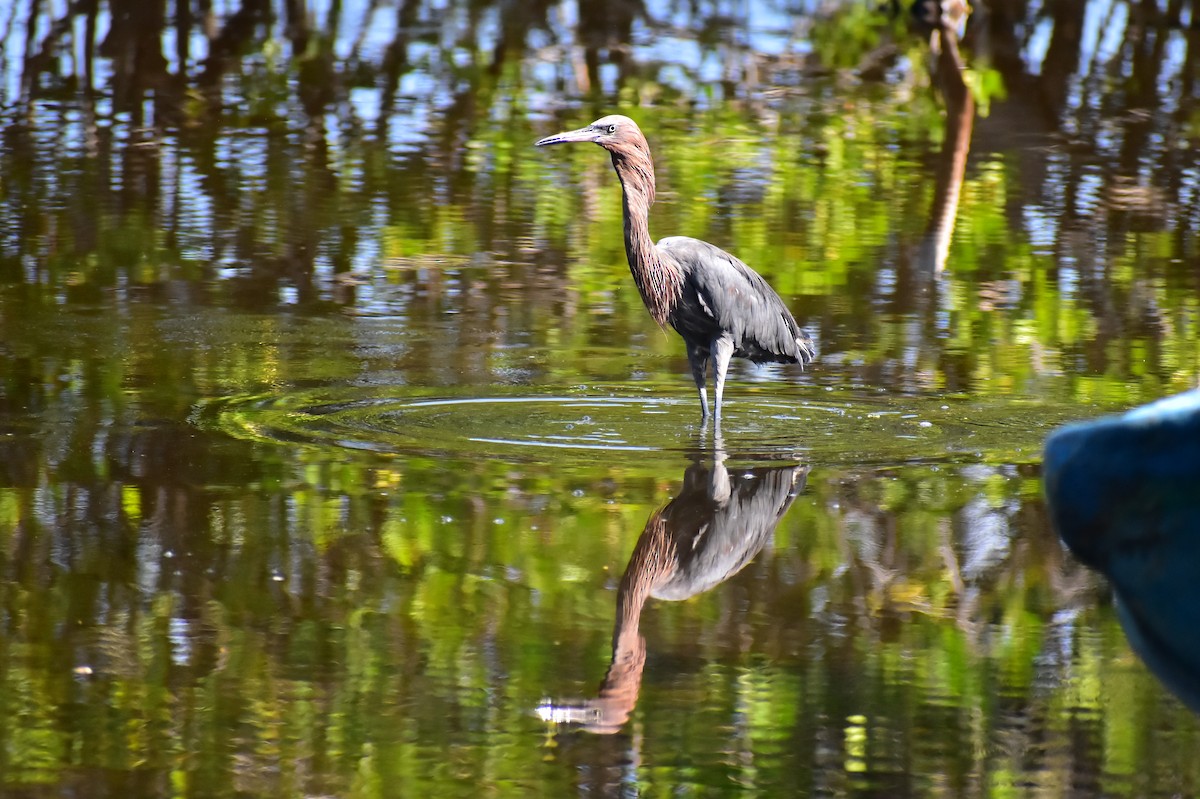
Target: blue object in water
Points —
{"points": [[1124, 494]]}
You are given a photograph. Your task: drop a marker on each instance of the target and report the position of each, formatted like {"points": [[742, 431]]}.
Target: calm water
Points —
{"points": [[338, 456]]}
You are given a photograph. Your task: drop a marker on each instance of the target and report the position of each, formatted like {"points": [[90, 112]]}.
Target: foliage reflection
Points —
{"points": [[205, 202]]}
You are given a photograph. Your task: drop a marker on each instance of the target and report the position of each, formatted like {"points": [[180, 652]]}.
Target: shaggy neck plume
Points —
{"points": [[658, 280]]}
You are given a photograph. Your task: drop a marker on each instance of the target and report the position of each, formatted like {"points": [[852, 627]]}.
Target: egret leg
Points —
{"points": [[698, 358], [722, 351]]}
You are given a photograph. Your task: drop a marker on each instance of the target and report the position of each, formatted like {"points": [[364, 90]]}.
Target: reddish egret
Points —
{"points": [[720, 306]]}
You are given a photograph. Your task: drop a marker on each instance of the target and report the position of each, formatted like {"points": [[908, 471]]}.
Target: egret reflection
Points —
{"points": [[715, 526]]}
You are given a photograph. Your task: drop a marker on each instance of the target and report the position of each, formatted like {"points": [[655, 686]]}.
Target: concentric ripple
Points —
{"points": [[832, 428]]}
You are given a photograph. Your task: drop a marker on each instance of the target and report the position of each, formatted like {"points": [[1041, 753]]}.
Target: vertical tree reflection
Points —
{"points": [[956, 145]]}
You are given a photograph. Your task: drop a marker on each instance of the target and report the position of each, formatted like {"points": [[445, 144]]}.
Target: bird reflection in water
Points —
{"points": [[701, 538]]}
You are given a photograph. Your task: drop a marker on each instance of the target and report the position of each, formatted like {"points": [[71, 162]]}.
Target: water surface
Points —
{"points": [[331, 423]]}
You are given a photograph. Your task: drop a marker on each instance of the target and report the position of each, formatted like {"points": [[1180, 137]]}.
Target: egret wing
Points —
{"points": [[737, 301]]}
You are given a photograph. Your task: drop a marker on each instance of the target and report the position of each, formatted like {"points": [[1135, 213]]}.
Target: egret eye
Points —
{"points": [[612, 128]]}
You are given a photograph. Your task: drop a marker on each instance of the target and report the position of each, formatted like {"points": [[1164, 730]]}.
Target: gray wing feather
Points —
{"points": [[739, 301]]}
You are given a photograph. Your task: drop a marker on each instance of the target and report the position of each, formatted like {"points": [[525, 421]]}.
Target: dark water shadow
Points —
{"points": [[711, 530]]}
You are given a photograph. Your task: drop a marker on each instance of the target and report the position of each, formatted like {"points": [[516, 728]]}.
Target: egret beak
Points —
{"points": [[583, 134]]}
